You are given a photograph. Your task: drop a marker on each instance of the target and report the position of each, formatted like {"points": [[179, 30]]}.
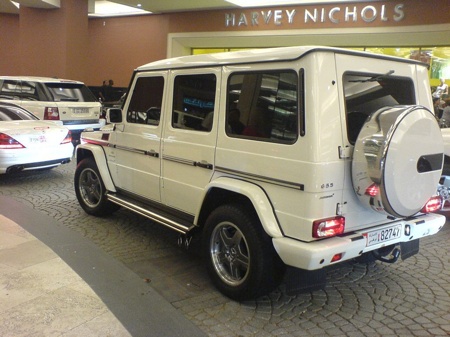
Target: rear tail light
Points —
{"points": [[7, 142], [325, 228], [434, 204], [68, 138], [51, 114]]}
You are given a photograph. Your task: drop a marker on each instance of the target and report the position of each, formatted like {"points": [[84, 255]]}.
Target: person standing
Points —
{"points": [[101, 93], [441, 89], [108, 91]]}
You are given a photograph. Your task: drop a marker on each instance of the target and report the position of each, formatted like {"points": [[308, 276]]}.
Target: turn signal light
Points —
{"points": [[7, 142], [51, 114], [325, 228], [372, 190], [434, 204], [68, 138]]}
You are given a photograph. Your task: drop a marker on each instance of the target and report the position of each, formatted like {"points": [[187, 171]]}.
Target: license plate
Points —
{"points": [[383, 235], [80, 110], [38, 139]]}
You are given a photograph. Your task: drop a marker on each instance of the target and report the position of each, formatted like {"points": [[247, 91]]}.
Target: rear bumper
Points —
{"points": [[80, 127], [318, 254]]}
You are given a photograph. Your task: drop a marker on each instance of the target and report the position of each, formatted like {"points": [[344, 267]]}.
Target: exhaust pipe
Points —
{"points": [[14, 169]]}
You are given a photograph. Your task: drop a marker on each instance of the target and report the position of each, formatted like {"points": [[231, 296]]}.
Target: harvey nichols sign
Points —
{"points": [[336, 15]]}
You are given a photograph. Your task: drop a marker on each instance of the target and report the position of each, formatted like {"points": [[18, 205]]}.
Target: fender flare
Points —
{"points": [[99, 156], [257, 197]]}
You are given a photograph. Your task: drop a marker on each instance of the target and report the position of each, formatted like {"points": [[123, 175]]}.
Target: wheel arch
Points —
{"points": [[228, 190], [98, 154]]}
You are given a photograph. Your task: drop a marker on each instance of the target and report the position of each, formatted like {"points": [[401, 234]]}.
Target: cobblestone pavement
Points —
{"points": [[407, 298]]}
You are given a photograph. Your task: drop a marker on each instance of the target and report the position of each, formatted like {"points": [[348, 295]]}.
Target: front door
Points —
{"points": [[135, 159]]}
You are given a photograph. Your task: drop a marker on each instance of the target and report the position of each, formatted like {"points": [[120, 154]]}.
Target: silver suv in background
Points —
{"points": [[54, 99]]}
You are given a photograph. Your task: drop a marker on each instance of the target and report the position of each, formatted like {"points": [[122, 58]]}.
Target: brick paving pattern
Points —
{"points": [[407, 298]]}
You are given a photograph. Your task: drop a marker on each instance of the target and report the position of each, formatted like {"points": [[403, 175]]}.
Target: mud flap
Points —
{"points": [[301, 281], [409, 249]]}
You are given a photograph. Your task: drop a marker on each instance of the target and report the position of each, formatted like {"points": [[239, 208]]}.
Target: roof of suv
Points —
{"points": [[255, 56], [39, 79]]}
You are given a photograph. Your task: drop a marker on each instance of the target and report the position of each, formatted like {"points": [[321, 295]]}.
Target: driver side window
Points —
{"points": [[146, 101]]}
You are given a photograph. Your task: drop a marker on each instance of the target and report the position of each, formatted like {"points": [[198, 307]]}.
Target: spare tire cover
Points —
{"points": [[400, 150]]}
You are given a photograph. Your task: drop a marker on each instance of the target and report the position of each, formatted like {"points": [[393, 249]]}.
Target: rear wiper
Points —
{"points": [[375, 78]]}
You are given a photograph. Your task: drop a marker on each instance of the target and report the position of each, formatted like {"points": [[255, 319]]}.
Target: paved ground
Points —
{"points": [[409, 298]]}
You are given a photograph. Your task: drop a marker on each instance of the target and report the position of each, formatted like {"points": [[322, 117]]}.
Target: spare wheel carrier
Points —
{"points": [[400, 149]]}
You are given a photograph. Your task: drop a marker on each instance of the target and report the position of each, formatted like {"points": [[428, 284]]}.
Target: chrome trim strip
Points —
{"points": [[151, 153], [289, 184], [180, 160], [150, 215]]}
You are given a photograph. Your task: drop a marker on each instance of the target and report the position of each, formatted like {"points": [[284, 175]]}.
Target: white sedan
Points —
{"points": [[27, 143]]}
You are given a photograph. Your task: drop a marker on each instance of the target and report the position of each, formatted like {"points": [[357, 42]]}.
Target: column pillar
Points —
{"points": [[54, 42]]}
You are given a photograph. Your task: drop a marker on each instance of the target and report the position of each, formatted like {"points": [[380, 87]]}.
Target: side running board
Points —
{"points": [[142, 209]]}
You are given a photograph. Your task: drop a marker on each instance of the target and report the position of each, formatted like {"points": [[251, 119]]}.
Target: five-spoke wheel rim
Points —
{"points": [[230, 254], [90, 187]]}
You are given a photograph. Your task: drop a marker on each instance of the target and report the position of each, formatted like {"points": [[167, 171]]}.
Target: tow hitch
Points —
{"points": [[390, 254], [387, 254]]}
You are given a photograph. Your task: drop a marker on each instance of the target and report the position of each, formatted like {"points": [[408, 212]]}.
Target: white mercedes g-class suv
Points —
{"points": [[297, 156]]}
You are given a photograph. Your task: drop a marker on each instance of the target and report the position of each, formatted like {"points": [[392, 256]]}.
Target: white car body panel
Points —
{"points": [[76, 116], [42, 142]]}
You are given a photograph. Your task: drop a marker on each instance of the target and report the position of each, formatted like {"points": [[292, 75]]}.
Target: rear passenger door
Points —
{"points": [[188, 145], [134, 158]]}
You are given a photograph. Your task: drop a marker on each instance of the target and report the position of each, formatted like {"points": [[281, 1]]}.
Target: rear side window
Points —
{"points": [[146, 101], [21, 90], [193, 102], [366, 93], [70, 92], [263, 106]]}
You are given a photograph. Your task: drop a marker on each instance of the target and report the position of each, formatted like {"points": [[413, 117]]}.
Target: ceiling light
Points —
{"points": [[108, 9]]}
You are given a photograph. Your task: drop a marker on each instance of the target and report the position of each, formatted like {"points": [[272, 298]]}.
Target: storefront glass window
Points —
{"points": [[437, 57]]}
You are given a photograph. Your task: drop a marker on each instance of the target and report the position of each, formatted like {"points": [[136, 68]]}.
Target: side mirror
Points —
{"points": [[114, 115]]}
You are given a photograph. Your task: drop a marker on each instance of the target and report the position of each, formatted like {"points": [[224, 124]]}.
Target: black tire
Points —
{"points": [[240, 257], [90, 189]]}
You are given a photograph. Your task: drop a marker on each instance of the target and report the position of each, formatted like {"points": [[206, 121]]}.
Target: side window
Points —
{"points": [[263, 106], [146, 101], [366, 93], [193, 102], [29, 91], [10, 89]]}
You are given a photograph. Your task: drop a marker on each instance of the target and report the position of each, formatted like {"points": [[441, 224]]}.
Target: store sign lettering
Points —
{"points": [[335, 15]]}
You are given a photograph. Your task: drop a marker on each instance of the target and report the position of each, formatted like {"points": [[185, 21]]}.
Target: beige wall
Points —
{"points": [[119, 45], [64, 43]]}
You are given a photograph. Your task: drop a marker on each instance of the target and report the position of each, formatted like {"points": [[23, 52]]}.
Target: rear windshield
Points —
{"points": [[12, 113], [70, 92], [366, 93]]}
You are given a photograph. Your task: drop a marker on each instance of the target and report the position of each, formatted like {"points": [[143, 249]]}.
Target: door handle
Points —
{"points": [[152, 153], [203, 164]]}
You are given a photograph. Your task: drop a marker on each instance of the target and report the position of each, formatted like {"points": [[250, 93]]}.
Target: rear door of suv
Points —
{"points": [[189, 139]]}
